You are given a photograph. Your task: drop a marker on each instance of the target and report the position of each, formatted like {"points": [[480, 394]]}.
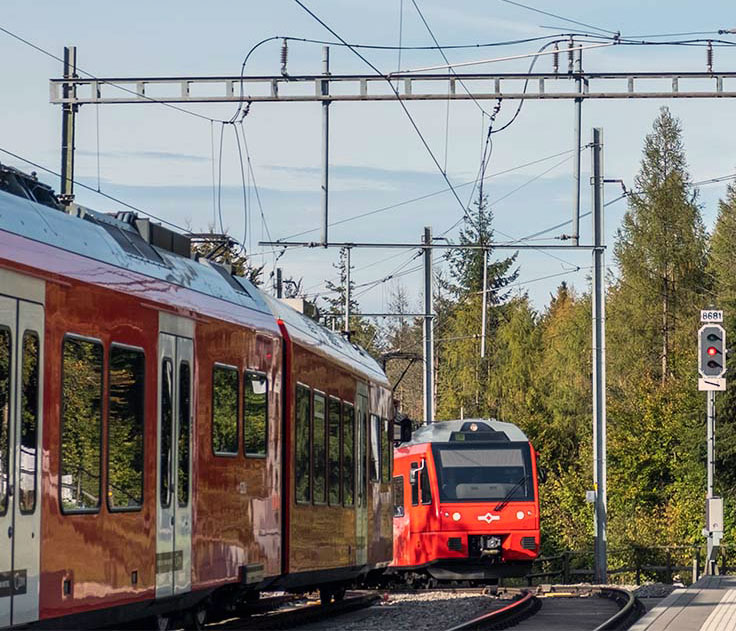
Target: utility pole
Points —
{"points": [[68, 116], [325, 90], [347, 294], [279, 284], [576, 145], [712, 368], [428, 330], [484, 302], [599, 361]]}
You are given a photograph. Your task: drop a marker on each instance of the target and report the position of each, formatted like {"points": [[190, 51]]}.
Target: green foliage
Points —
{"points": [[537, 371], [362, 332]]}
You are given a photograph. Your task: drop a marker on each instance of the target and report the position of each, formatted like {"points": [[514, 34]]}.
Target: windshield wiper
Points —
{"points": [[502, 504]]}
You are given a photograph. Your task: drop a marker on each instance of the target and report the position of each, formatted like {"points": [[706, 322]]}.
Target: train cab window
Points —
{"points": [[167, 422], [319, 452], [375, 451], [29, 423], [255, 414], [81, 431], [303, 452], [398, 488], [225, 410], [333, 451], [185, 431], [386, 451], [424, 487], [125, 423], [414, 481], [4, 418], [348, 454]]}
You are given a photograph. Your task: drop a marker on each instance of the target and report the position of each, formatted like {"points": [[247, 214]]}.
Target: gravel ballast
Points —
{"points": [[423, 611]]}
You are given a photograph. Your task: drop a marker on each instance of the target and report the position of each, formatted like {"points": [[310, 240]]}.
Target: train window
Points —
{"points": [[167, 422], [386, 451], [255, 414], [333, 451], [362, 447], [302, 452], [319, 453], [414, 481], [5, 355], [348, 454], [29, 423], [375, 452], [426, 489], [81, 431], [225, 410], [126, 412], [398, 487], [185, 431]]}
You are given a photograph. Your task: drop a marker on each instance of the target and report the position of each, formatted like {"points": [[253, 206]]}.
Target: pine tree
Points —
{"points": [[655, 412], [661, 250], [463, 375], [466, 266], [362, 332]]}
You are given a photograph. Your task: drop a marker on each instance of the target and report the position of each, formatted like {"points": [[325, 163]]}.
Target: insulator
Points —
{"points": [[709, 56], [556, 59], [284, 56], [570, 55]]}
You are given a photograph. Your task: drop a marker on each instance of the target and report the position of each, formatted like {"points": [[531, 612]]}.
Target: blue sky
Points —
{"points": [[161, 160]]}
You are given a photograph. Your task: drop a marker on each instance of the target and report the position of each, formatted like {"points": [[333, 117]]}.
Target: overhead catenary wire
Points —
{"points": [[94, 190], [559, 17], [430, 195], [398, 99], [115, 85]]}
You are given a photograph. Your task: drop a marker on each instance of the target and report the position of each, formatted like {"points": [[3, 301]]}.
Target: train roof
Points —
{"points": [[319, 339], [104, 238], [449, 431]]}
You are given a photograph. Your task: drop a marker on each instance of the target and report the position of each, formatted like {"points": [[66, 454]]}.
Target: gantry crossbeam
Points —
{"points": [[410, 87]]}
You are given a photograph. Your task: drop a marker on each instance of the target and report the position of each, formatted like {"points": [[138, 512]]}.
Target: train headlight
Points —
{"points": [[492, 542], [520, 515], [456, 516]]}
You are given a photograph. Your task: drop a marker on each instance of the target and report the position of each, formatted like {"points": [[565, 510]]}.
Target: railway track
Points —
{"points": [[577, 609], [298, 615]]}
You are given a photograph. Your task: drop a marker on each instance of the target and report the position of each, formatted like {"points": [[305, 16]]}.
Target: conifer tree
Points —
{"points": [[362, 332], [661, 252], [463, 376]]}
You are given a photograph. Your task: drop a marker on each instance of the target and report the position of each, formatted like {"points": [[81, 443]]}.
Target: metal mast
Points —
{"points": [[428, 330], [599, 361]]}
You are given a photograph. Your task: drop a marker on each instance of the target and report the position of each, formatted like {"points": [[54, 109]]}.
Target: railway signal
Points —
{"points": [[712, 357], [712, 368]]}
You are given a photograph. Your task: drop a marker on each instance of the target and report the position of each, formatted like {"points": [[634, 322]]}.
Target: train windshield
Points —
{"points": [[483, 472]]}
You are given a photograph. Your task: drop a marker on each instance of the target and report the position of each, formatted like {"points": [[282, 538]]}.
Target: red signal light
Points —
{"points": [[712, 350]]}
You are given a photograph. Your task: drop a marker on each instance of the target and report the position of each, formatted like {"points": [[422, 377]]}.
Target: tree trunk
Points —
{"points": [[665, 331]]}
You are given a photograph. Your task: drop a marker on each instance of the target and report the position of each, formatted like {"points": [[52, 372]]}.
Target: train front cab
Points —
{"points": [[466, 502]]}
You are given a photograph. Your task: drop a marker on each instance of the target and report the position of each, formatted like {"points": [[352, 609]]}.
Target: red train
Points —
{"points": [[171, 439], [466, 503]]}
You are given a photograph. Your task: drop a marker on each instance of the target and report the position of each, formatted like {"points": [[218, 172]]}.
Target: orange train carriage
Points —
{"points": [[171, 439], [466, 502]]}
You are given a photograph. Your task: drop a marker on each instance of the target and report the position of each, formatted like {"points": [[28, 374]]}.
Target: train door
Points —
{"points": [[21, 420], [174, 469], [361, 513]]}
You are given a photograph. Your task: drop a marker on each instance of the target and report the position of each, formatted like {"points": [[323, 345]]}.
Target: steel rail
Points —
{"points": [[631, 610], [514, 612], [304, 614]]}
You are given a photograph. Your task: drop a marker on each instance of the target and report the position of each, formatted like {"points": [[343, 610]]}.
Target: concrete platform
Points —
{"points": [[708, 605]]}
